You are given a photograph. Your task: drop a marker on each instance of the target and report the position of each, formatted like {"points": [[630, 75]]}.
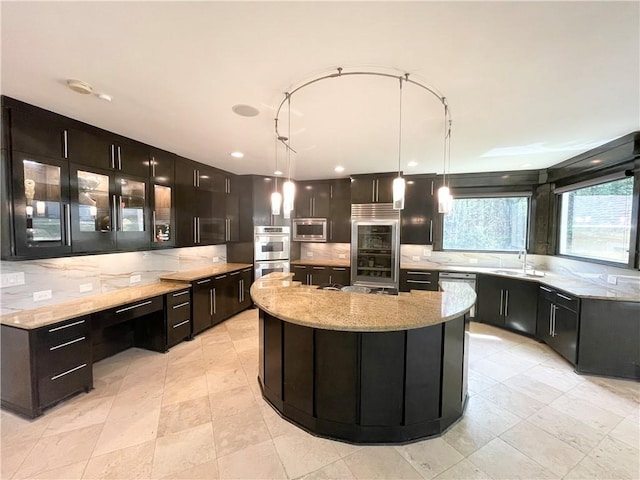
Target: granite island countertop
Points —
{"points": [[305, 305], [50, 314]]}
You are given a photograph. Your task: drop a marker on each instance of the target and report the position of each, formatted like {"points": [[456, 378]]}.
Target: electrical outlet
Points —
{"points": [[42, 295], [342, 255], [134, 279], [473, 260], [426, 252], [309, 254], [86, 287], [415, 258], [612, 279], [215, 259], [11, 279]]}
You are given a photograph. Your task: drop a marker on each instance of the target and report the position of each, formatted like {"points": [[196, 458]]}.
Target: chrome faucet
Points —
{"points": [[522, 255]]}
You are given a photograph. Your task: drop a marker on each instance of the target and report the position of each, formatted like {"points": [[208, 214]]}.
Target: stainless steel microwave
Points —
{"points": [[309, 230]]}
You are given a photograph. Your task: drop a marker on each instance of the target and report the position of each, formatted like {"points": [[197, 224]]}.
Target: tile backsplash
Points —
{"points": [[74, 277]]}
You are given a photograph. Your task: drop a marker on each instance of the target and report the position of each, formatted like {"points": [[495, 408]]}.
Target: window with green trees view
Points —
{"points": [[595, 221], [489, 223]]}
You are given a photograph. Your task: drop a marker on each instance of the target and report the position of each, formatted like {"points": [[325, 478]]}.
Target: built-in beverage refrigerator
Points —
{"points": [[375, 245]]}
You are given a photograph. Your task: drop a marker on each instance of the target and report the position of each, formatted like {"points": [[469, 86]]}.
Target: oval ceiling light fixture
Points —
{"points": [[79, 86], [338, 169], [237, 154], [245, 110]]}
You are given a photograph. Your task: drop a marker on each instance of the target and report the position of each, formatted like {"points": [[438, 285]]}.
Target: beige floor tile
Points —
{"points": [[118, 433], [573, 432], [68, 472], [224, 365], [463, 470], [256, 462], [380, 462], [136, 400], [79, 414], [186, 352], [533, 388], [57, 451], [184, 415], [344, 449], [513, 359], [231, 402], [182, 370], [237, 432], [502, 461], [185, 389], [468, 435], [302, 453], [497, 371], [533, 352], [275, 423], [611, 459], [478, 383], [602, 420], [334, 471], [550, 452], [184, 450], [430, 457], [218, 334], [150, 366], [115, 366], [512, 400], [105, 386], [203, 471], [126, 463], [563, 380], [14, 428], [12, 454], [223, 381], [219, 351], [603, 397], [628, 431], [249, 344]]}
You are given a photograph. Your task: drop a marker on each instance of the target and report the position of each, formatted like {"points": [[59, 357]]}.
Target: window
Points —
{"points": [[487, 223], [595, 221]]}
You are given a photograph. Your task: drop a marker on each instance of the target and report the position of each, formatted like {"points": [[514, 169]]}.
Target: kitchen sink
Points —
{"points": [[519, 273]]}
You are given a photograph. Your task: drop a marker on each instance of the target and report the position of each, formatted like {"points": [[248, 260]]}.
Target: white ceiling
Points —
{"points": [[529, 84]]}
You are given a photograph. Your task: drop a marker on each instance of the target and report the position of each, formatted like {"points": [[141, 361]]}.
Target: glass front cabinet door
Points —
{"points": [[41, 207], [162, 217]]}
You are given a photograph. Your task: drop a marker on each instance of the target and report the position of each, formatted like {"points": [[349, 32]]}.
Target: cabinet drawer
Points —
{"points": [[63, 356], [567, 301], [65, 382], [179, 312], [128, 311], [176, 298], [178, 331], [62, 332], [421, 284]]}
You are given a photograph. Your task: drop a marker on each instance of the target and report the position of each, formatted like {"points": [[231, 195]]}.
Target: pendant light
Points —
{"points": [[398, 182], [445, 200], [288, 188], [276, 198]]}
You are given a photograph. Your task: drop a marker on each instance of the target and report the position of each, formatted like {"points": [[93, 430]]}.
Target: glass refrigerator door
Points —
{"points": [[375, 260]]}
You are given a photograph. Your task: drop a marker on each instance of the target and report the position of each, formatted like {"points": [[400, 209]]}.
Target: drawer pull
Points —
{"points": [[66, 326], [318, 268], [234, 273], [546, 289], [219, 277], [126, 309], [565, 297], [67, 343], [340, 269], [203, 281], [418, 281], [419, 273], [55, 377], [180, 293], [181, 323], [183, 304], [246, 270]]}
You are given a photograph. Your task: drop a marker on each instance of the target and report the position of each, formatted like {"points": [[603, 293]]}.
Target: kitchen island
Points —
{"points": [[364, 368]]}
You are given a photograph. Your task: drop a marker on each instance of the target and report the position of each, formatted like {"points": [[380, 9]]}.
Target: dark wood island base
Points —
{"points": [[383, 387]]}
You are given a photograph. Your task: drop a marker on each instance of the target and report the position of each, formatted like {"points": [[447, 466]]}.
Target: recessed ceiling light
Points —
{"points": [[595, 162], [237, 154], [525, 165], [245, 110], [412, 164], [104, 96], [277, 172], [338, 169], [79, 86]]}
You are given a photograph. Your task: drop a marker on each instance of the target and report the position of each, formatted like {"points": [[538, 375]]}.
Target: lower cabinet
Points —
{"points": [[418, 280], [508, 303], [40, 367], [320, 274], [178, 314], [557, 324]]}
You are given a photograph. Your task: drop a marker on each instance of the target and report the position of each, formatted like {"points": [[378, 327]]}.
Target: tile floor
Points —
{"points": [[196, 412]]}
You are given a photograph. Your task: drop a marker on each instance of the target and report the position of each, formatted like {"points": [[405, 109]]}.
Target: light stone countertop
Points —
{"points": [[287, 300], [47, 315], [204, 272]]}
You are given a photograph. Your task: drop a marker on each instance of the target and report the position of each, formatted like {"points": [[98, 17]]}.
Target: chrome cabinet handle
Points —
{"points": [[181, 323], [213, 295], [419, 273], [432, 188], [431, 222], [180, 293], [67, 221], [546, 289], [113, 156], [565, 297], [199, 231], [194, 178], [114, 220], [220, 277], [65, 144], [153, 221], [551, 320], [373, 190], [341, 269], [211, 302], [183, 304], [198, 178], [133, 306], [153, 166], [234, 273], [501, 300], [203, 281], [506, 303], [67, 343], [119, 159], [68, 325], [419, 281], [195, 230], [55, 377], [120, 214], [319, 268]]}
